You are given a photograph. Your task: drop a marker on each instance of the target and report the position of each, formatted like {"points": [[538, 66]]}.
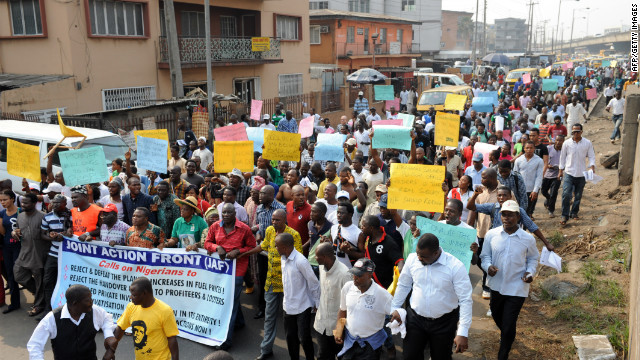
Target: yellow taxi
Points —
{"points": [[435, 97], [516, 74]]}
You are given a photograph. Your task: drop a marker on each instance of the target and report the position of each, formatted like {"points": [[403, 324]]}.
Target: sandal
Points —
{"points": [[35, 311], [563, 222]]}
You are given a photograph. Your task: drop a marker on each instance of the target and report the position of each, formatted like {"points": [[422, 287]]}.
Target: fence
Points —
{"points": [[331, 101], [19, 116]]}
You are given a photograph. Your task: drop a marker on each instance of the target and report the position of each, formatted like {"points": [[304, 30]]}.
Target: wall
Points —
{"points": [[450, 31], [325, 52]]}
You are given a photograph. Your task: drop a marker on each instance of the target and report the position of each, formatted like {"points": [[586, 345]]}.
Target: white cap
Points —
{"points": [[53, 187], [360, 93], [342, 193], [34, 186], [266, 117], [510, 205]]}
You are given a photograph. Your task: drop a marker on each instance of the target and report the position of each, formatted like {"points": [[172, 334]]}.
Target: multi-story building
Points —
{"points": [[457, 30], [511, 35], [108, 54], [427, 13]]}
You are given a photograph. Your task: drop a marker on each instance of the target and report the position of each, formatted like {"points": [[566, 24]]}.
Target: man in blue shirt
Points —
{"points": [[134, 199], [288, 124], [517, 85], [361, 104]]}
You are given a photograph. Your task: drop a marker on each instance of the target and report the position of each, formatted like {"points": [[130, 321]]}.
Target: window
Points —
{"points": [[359, 5], [122, 98], [383, 36], [351, 35], [192, 24], [228, 26], [163, 25], [287, 27], [289, 84], [314, 35], [318, 5], [399, 35], [25, 17], [116, 18], [408, 5]]}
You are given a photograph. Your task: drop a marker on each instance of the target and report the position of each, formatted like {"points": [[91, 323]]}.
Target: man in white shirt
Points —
{"points": [[531, 167], [441, 297], [266, 124], [362, 137], [475, 171], [333, 276], [358, 170], [206, 157], [561, 108], [345, 233], [617, 105], [72, 328], [373, 116], [531, 112], [301, 293], [404, 96], [510, 257], [364, 304], [572, 169], [575, 113]]}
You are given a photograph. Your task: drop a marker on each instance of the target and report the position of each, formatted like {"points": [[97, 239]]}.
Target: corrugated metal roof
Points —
{"points": [[338, 14], [15, 81]]}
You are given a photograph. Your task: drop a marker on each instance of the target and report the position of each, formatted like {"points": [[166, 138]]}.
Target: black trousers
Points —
{"points": [[50, 279], [297, 330], [484, 273], [10, 254], [327, 347], [531, 206], [263, 268], [438, 334], [505, 310], [362, 353], [549, 190]]}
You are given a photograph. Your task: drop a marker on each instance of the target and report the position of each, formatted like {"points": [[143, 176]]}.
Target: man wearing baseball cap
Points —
{"points": [[509, 256], [475, 171], [361, 105], [112, 230], [52, 190], [364, 305], [266, 123]]}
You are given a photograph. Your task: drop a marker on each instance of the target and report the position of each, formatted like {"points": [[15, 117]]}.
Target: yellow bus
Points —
{"points": [[435, 97]]}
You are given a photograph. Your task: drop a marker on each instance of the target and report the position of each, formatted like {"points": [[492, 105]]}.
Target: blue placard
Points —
{"points": [[392, 137], [83, 166], [455, 240], [384, 92], [549, 85], [490, 94], [330, 147], [580, 71], [559, 78], [151, 154], [256, 135], [482, 104]]}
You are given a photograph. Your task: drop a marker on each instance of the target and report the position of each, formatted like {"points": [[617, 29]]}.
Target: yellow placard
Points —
{"points": [[228, 155], [23, 160], [280, 145], [67, 132], [161, 134], [260, 44], [455, 102], [447, 129], [406, 178], [544, 72]]}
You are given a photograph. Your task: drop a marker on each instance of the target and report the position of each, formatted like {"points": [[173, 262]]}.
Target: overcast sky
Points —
{"points": [[601, 14]]}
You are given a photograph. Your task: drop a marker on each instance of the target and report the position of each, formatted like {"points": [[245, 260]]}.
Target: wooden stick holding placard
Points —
{"points": [[66, 132]]}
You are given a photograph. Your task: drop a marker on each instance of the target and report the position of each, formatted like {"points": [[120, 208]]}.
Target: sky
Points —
{"points": [[601, 14]]}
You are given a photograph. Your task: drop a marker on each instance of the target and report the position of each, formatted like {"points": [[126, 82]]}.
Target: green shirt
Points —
{"points": [[275, 118], [188, 233]]}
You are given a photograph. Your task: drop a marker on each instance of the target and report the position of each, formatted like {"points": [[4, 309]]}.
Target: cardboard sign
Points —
{"points": [[330, 147], [526, 78], [447, 129], [280, 145], [235, 132], [151, 154], [257, 136], [161, 134], [455, 102], [228, 155], [396, 122], [392, 137], [453, 239], [407, 119], [384, 92], [482, 104], [23, 160], [549, 85], [485, 149], [490, 94], [84, 166], [306, 127], [580, 71], [395, 103], [592, 94], [403, 194], [256, 110]]}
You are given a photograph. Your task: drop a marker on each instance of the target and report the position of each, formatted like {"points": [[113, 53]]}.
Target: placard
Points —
{"points": [[407, 119], [256, 134], [482, 104], [455, 102], [149, 123], [545, 72], [83, 166], [384, 92], [526, 78], [392, 137], [256, 110], [280, 145], [559, 78], [23, 160], [447, 129], [592, 94], [228, 155], [396, 122], [330, 147], [455, 240], [499, 123], [151, 154], [235, 132], [128, 139], [580, 71], [490, 94], [402, 190], [395, 103], [306, 127], [485, 149], [549, 85], [155, 134]]}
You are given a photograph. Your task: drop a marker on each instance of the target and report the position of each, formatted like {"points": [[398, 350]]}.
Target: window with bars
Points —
{"points": [[408, 5], [122, 98], [192, 24], [116, 18], [318, 5], [399, 35], [289, 84], [287, 27], [314, 35], [351, 34], [383, 36], [228, 26], [359, 6], [25, 17]]}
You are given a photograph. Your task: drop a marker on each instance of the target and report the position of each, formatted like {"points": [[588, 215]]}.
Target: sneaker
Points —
{"points": [[486, 295], [248, 290], [551, 215], [613, 141], [489, 312]]}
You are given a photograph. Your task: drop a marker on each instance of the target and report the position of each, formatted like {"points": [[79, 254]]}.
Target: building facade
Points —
{"points": [[511, 35], [457, 30], [113, 53]]}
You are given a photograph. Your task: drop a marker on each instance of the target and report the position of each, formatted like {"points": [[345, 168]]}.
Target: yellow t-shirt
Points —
{"points": [[274, 272], [151, 327], [324, 184]]}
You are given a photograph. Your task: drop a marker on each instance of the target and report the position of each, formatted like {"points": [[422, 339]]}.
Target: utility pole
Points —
{"points": [[530, 35], [207, 32], [475, 37], [484, 32], [557, 26], [175, 67]]}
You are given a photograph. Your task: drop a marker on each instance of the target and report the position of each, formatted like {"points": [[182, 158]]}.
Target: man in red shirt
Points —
{"points": [[230, 238], [557, 128], [467, 152], [298, 215]]}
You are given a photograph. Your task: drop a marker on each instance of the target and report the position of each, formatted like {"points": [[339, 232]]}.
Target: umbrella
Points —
{"points": [[366, 76], [497, 58]]}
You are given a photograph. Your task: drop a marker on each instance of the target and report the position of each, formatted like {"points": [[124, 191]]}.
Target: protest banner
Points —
{"points": [[407, 119], [397, 122], [526, 78], [545, 72], [23, 160], [257, 136], [455, 102], [405, 178], [128, 139], [482, 104], [84, 166], [280, 145], [329, 147], [453, 239], [306, 127], [151, 154], [228, 155], [606, 63], [235, 132], [395, 103], [485, 149], [592, 94], [392, 137], [549, 84], [490, 94], [198, 288], [559, 78], [580, 71], [256, 110], [383, 92], [161, 134], [499, 123], [447, 129]]}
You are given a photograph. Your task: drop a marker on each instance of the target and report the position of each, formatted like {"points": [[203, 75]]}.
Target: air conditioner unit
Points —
{"points": [[324, 29]]}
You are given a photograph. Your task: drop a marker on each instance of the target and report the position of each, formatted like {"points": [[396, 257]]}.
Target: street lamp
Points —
{"points": [[374, 37], [557, 25], [573, 19]]}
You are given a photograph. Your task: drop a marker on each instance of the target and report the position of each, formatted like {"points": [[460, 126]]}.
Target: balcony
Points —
{"points": [[224, 52], [347, 50]]}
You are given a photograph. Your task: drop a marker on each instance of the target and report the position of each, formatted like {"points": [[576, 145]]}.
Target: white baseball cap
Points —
{"points": [[342, 193], [53, 187], [510, 205]]}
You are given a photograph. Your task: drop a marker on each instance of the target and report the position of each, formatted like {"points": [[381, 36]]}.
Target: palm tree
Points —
{"points": [[465, 28]]}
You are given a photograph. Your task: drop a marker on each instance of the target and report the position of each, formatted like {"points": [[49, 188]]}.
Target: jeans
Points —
{"points": [[531, 205], [327, 347], [236, 313], [617, 121], [438, 334], [572, 186], [273, 305], [505, 311], [549, 190], [484, 273], [50, 279], [297, 330], [32, 280], [10, 253]]}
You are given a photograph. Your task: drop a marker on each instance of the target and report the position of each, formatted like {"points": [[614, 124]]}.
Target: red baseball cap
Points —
{"points": [[110, 208]]}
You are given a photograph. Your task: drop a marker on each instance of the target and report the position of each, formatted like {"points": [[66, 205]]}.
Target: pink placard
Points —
{"points": [[306, 127], [329, 131], [234, 132], [387, 122], [506, 135], [256, 109], [592, 94], [395, 103], [485, 149], [526, 78], [570, 65]]}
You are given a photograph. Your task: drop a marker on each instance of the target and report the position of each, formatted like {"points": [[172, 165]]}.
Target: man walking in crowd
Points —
{"points": [[616, 106], [143, 233], [575, 113], [531, 167], [112, 230], [136, 199], [84, 215], [205, 155], [513, 181], [361, 104], [164, 207], [551, 181]]}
